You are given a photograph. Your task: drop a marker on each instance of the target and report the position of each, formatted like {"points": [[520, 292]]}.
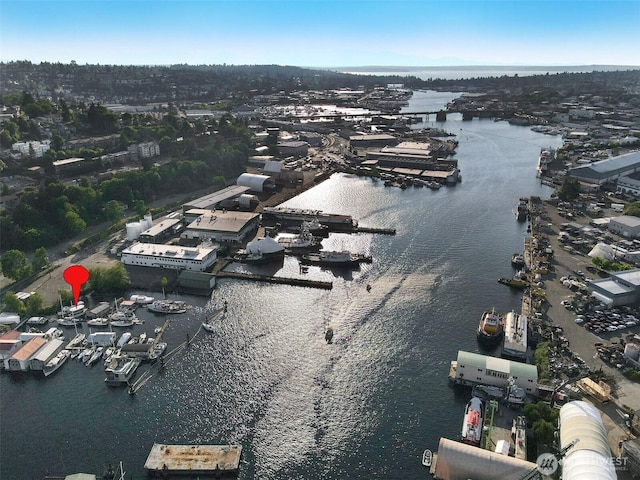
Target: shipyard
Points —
{"points": [[300, 278]]}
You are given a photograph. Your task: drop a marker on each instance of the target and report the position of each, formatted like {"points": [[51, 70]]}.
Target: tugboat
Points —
{"points": [[517, 260], [490, 329], [519, 280], [522, 210]]}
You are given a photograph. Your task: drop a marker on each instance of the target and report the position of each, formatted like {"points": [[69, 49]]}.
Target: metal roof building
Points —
{"points": [[607, 170], [213, 199], [473, 368], [220, 226], [621, 288], [459, 461], [46, 353], [255, 182]]}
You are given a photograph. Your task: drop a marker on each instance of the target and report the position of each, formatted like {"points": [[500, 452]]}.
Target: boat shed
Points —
{"points": [[9, 343], [459, 461], [196, 281], [590, 457], [20, 360], [255, 182], [46, 353], [473, 369], [193, 459]]}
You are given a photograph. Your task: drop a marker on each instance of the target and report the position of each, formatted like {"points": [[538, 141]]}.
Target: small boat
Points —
{"points": [[472, 425], [98, 322], [427, 458], [518, 280], [168, 306], [94, 357], [76, 341], [328, 334], [208, 326], [37, 321], [141, 299], [158, 350], [122, 318], [517, 260], [56, 362], [490, 328], [85, 354], [124, 338], [68, 321]]}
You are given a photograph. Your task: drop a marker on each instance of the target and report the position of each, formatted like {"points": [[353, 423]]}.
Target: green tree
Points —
{"points": [[632, 209], [14, 304], [113, 210], [111, 279], [15, 265], [569, 190], [40, 259], [34, 305]]}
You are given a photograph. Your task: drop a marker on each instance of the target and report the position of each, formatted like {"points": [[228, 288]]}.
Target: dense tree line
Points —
{"points": [[54, 211], [175, 83]]}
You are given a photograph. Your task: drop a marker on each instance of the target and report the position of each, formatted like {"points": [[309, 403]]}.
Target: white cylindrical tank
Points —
{"points": [[632, 350], [148, 218], [133, 230]]}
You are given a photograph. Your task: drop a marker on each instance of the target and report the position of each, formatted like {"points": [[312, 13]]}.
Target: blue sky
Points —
{"points": [[323, 33]]}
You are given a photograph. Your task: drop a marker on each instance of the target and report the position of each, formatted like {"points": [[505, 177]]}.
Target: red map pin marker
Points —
{"points": [[76, 276]]}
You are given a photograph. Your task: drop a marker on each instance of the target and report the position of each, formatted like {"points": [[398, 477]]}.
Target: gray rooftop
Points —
{"points": [[605, 168]]}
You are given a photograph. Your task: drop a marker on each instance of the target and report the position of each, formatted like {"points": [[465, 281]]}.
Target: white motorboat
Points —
{"points": [[94, 357], [37, 321], [141, 299], [158, 350], [56, 362], [122, 319], [124, 338], [98, 322], [76, 341], [208, 326]]}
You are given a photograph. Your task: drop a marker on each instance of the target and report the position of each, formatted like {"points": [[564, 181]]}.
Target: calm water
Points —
{"points": [[363, 407]]}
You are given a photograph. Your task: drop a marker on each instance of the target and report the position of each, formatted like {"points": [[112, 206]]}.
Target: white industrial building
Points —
{"points": [[627, 226], [472, 369], [629, 185], [590, 457], [621, 288], [169, 256]]}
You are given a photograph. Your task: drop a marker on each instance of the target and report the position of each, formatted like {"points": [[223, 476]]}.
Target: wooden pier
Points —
{"points": [[299, 282], [193, 459]]}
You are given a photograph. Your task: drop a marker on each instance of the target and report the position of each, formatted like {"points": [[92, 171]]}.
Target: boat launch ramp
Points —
{"points": [[193, 459]]}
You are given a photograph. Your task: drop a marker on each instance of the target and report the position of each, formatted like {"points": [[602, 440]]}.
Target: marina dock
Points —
{"points": [[299, 282], [193, 459]]}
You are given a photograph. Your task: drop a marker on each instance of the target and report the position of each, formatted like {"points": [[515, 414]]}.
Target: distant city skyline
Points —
{"points": [[329, 33]]}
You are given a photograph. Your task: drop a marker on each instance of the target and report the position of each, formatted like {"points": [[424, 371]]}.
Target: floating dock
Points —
{"points": [[299, 282], [193, 459]]}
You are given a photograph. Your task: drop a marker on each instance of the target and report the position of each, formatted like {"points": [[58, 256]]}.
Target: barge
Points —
{"points": [[296, 216], [193, 459]]}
